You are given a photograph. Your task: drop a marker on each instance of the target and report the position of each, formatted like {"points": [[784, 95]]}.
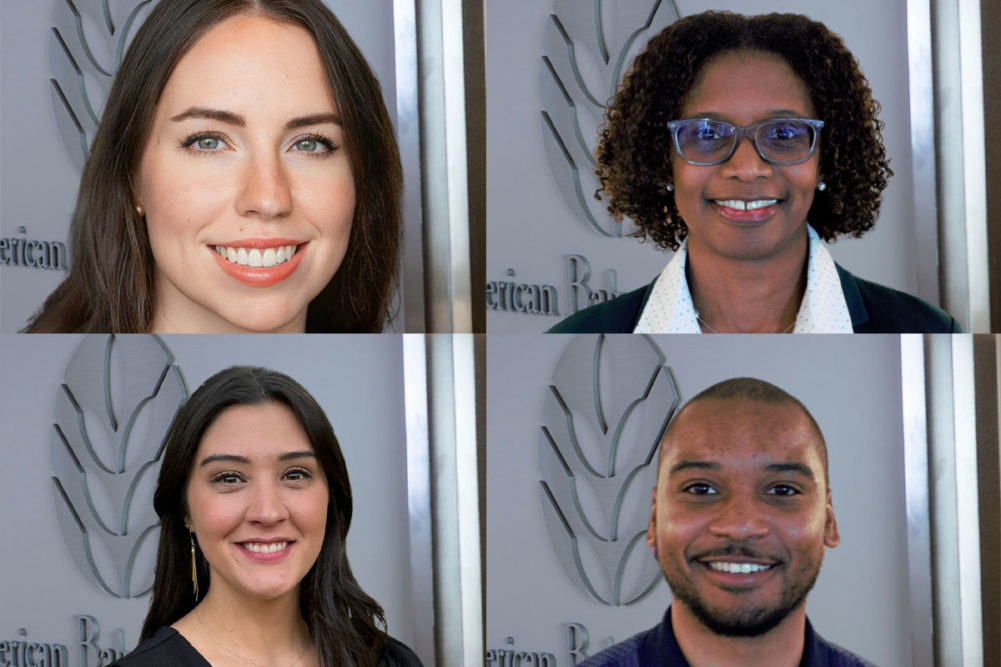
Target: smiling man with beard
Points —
{"points": [[740, 518]]}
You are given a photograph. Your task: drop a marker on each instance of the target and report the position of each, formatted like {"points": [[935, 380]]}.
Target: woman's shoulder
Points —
{"points": [[397, 654], [618, 315], [876, 308], [166, 648]]}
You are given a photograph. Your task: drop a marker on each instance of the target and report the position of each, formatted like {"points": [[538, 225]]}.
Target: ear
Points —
{"points": [[651, 527], [831, 537]]}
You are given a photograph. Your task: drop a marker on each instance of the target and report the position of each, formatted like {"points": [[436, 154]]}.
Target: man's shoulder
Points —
{"points": [[618, 315], [833, 655], [624, 654]]}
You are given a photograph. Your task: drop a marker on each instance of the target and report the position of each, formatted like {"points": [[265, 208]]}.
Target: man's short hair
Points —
{"points": [[755, 390]]}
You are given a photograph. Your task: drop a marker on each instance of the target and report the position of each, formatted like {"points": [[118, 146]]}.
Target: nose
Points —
{"points": [[745, 164], [266, 504], [739, 520], [266, 191]]}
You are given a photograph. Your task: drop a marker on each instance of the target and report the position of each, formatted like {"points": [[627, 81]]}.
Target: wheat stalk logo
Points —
{"points": [[584, 51], [118, 398], [85, 49], [603, 417]]}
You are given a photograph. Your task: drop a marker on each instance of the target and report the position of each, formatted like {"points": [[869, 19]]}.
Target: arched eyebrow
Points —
{"points": [[231, 118], [233, 458]]}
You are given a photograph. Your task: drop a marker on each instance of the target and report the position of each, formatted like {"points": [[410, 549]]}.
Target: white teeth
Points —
{"points": [[255, 257], [738, 568], [742, 205], [264, 548]]}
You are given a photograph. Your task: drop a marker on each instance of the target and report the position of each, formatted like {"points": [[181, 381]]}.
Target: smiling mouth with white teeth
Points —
{"points": [[738, 568], [741, 205], [260, 548], [255, 257]]}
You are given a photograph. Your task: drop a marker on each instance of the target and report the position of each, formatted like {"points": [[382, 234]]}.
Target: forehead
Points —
{"points": [[264, 430], [754, 82], [740, 432], [246, 63]]}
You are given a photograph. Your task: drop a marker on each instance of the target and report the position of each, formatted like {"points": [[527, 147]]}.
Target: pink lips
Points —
{"points": [[261, 276]]}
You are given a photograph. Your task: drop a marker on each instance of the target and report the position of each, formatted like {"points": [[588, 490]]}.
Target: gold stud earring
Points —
{"points": [[140, 210], [194, 566]]}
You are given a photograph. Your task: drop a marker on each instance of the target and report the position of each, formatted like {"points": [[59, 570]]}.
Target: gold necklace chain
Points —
{"points": [[249, 661]]}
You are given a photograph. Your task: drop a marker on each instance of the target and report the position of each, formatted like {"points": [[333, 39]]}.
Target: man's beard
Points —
{"points": [[742, 621]]}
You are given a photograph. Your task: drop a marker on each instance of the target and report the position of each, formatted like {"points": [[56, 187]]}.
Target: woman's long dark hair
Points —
{"points": [[343, 620], [110, 283]]}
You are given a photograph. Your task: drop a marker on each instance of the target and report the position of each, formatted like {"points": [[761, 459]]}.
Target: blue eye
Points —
{"points": [[204, 142], [314, 144]]}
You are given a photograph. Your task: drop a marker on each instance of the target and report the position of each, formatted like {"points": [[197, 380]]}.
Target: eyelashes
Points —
{"points": [[313, 144]]}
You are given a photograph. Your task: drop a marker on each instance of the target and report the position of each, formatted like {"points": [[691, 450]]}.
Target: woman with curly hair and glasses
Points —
{"points": [[255, 503], [748, 218]]}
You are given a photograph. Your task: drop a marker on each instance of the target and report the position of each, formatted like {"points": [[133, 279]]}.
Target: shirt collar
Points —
{"points": [[823, 310]]}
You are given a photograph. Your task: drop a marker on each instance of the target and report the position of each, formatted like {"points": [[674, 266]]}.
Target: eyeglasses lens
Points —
{"points": [[782, 141]]}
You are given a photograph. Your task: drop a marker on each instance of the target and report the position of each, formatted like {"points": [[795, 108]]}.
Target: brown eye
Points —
{"points": [[700, 489]]}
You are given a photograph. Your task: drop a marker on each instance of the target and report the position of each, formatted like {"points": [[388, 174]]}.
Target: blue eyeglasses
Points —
{"points": [[779, 141]]}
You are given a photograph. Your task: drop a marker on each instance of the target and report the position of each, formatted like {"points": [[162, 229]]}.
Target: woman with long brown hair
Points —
{"points": [[255, 503], [244, 177]]}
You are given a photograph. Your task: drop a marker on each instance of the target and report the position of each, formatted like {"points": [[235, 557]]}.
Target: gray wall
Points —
{"points": [[852, 387], [358, 380], [39, 179], [530, 228]]}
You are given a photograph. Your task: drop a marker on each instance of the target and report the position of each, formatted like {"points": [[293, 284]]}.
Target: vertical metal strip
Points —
{"points": [[419, 495], [912, 363], [919, 56], [408, 138], [962, 196], [443, 160], [942, 491], [458, 580], [967, 510], [974, 165]]}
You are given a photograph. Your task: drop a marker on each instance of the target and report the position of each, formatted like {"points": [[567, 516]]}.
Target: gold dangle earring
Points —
{"points": [[194, 566]]}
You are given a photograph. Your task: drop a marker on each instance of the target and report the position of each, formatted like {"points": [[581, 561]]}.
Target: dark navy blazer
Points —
{"points": [[873, 309]]}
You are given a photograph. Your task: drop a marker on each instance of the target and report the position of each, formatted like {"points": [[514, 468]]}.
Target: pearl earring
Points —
{"points": [[821, 186], [670, 187]]}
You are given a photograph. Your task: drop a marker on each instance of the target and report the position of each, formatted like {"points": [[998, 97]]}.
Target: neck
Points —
{"points": [[782, 646], [268, 632], [747, 296]]}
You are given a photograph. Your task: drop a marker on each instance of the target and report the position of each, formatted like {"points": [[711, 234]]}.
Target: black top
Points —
{"points": [[658, 647], [873, 309], [167, 648]]}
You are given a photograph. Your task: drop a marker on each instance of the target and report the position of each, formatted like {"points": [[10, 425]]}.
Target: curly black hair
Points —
{"points": [[634, 154]]}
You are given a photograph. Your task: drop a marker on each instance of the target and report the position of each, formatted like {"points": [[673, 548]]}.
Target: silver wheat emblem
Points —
{"points": [[85, 48], [585, 49], [602, 418], [118, 398]]}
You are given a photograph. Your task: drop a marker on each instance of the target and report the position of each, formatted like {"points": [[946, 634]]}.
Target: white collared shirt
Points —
{"points": [[823, 309]]}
